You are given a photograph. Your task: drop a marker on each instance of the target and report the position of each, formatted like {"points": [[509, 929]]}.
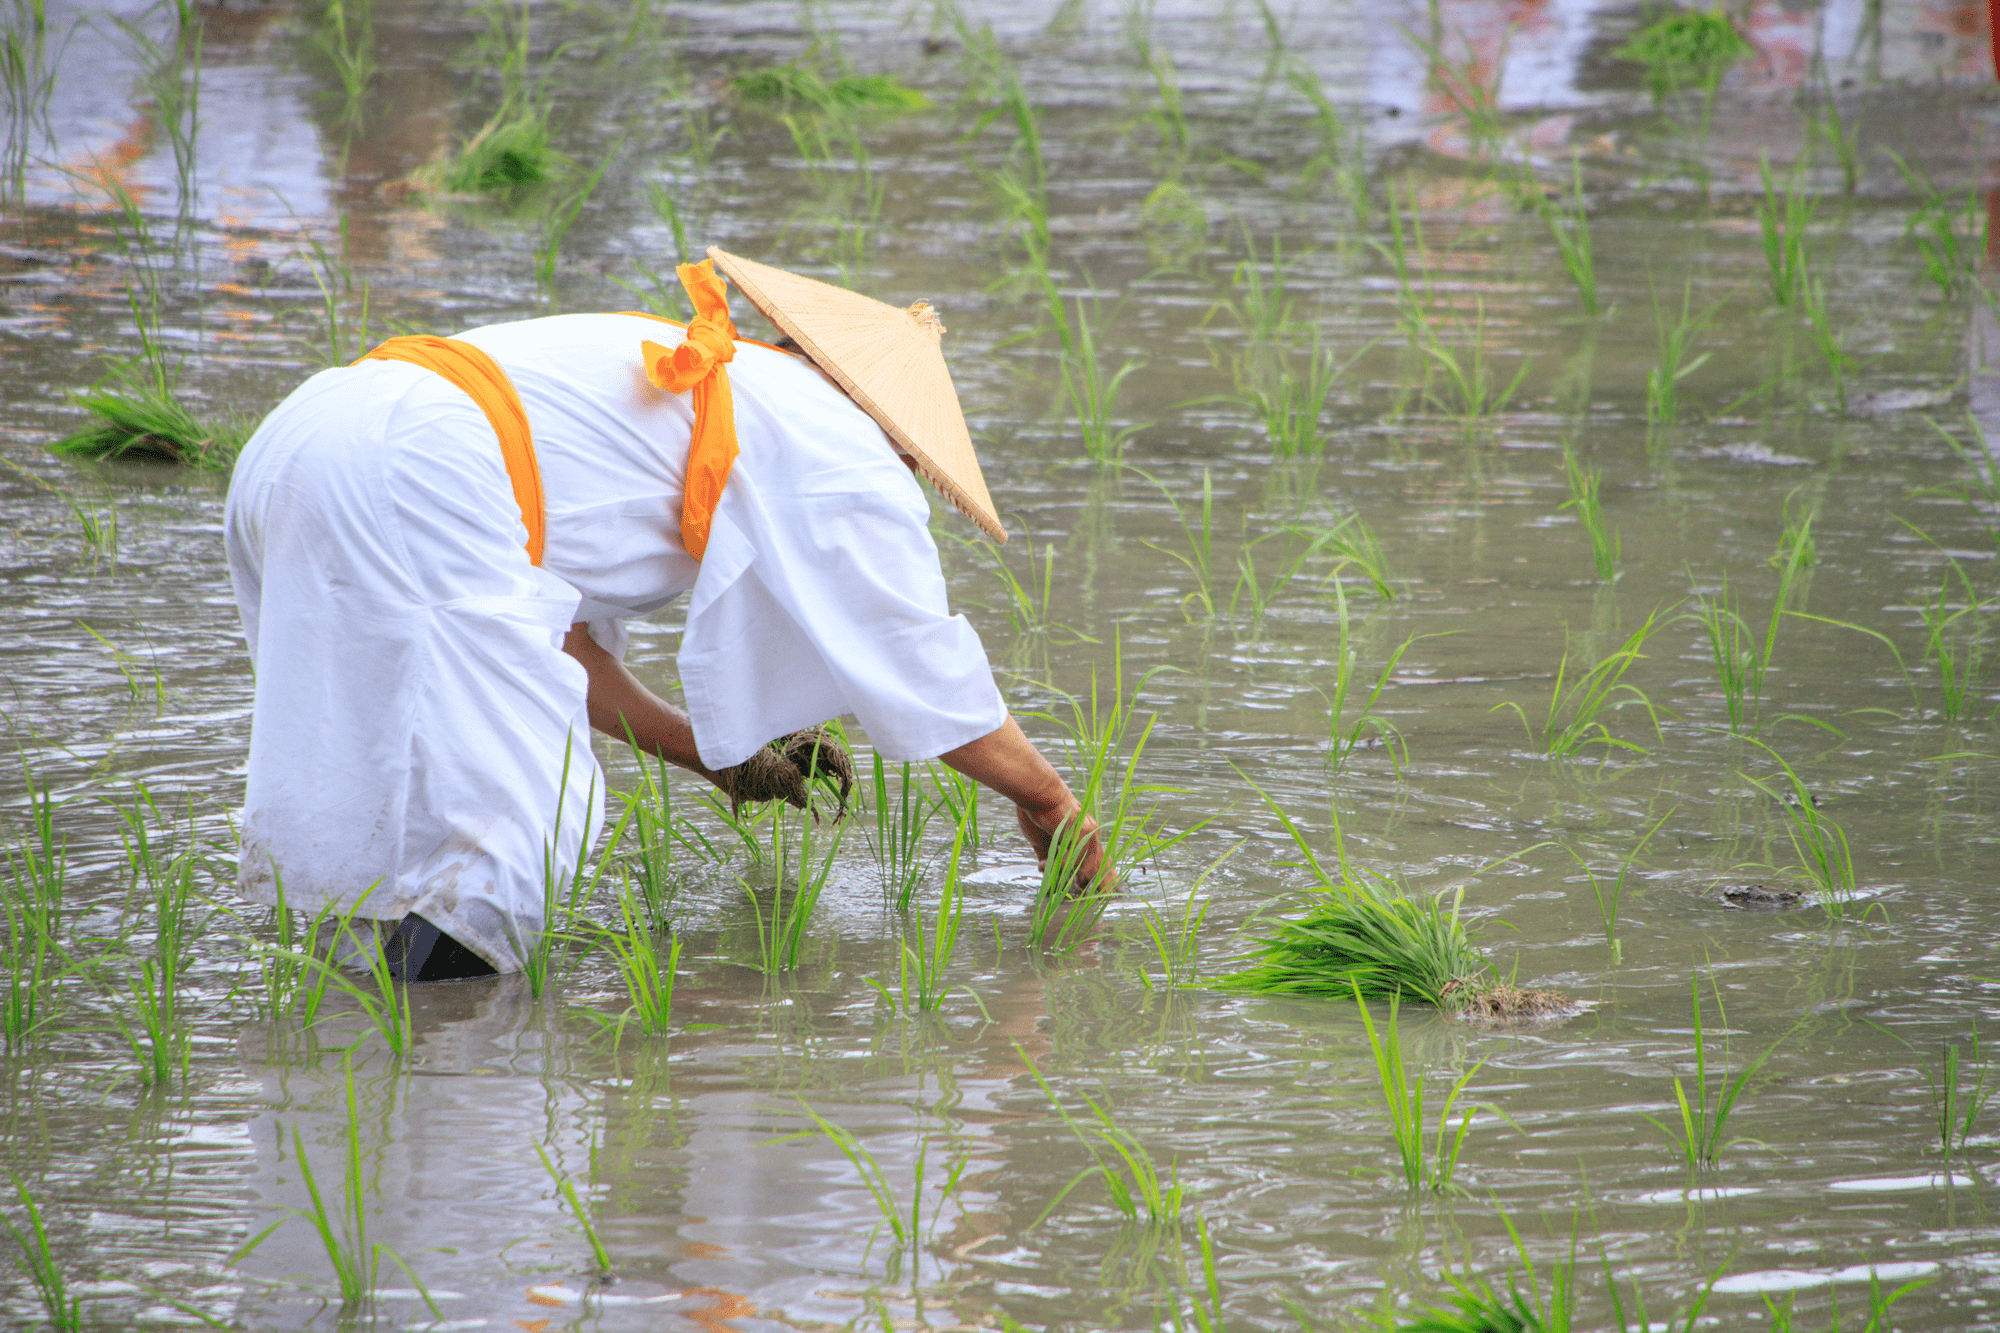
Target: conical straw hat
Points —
{"points": [[889, 361]]}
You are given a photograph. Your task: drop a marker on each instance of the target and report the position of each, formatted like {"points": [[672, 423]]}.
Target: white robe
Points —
{"points": [[419, 736]]}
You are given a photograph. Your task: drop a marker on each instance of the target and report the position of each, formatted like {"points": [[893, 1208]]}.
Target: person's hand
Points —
{"points": [[1039, 827]]}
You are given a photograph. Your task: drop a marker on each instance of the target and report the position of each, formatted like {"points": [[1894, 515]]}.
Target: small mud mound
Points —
{"points": [[1761, 898], [786, 769], [1500, 1002]]}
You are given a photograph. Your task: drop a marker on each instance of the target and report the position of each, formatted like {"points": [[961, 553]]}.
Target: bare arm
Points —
{"points": [[1008, 762], [620, 706], [1004, 759]]}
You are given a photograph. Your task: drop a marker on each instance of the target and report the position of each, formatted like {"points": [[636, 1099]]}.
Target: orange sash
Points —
{"points": [[697, 364], [483, 381]]}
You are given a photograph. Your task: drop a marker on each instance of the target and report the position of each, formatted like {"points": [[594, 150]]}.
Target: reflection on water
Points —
{"points": [[953, 1193]]}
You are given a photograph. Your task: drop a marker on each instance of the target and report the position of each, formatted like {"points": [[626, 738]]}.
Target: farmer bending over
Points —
{"points": [[435, 551]]}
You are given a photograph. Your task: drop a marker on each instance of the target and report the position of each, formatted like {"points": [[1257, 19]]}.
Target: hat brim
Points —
{"points": [[889, 362]]}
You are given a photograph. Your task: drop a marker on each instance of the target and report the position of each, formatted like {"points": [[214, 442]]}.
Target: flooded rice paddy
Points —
{"points": [[1656, 415]]}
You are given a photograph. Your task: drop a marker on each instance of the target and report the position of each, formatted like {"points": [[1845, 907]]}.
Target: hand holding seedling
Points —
{"points": [[1008, 762]]}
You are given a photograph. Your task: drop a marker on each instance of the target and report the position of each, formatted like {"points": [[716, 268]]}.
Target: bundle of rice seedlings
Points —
{"points": [[510, 150], [787, 86], [1361, 932], [1357, 935], [147, 423]]}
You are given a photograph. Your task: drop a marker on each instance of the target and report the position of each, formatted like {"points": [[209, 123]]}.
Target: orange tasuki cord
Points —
{"points": [[697, 365], [480, 377]]}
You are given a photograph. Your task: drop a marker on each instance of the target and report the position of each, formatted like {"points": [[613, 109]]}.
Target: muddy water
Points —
{"points": [[697, 1154]]}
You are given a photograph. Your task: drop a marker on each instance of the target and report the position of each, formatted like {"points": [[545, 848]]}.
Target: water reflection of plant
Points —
{"points": [[27, 81]]}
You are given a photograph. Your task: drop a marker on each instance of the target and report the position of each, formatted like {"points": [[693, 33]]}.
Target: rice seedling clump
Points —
{"points": [[1385, 945], [786, 86], [150, 425], [1685, 47], [507, 153]]}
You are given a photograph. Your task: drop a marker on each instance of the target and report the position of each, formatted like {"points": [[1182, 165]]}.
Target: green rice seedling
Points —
{"points": [[1584, 484], [135, 688], [349, 48], [1609, 895], [1252, 590], [925, 958], [1950, 233], [1982, 495], [1175, 932], [152, 1021], [170, 74], [1820, 843], [511, 150], [1733, 648], [346, 339], [1704, 1116], [1782, 220], [1826, 339], [32, 898], [342, 1230], [904, 1223], [898, 840], [62, 1307], [957, 797], [99, 527], [1262, 302], [648, 978], [1686, 48], [1140, 1191], [1093, 396], [1569, 227], [1341, 152], [135, 412], [565, 888], [1404, 1096], [1471, 390], [1103, 757], [1289, 394], [1200, 557], [1573, 717], [1472, 85], [1344, 738], [1029, 604], [1880, 1299], [801, 87], [1684, 1320], [1476, 1306], [291, 981], [1664, 379], [781, 928], [1953, 642], [562, 216], [1842, 136], [1957, 1107], [566, 1190]]}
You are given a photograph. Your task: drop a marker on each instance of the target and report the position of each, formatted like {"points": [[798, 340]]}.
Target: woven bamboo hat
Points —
{"points": [[889, 361]]}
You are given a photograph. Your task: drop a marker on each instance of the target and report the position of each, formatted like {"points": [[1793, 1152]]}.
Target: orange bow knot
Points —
{"points": [[697, 365]]}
